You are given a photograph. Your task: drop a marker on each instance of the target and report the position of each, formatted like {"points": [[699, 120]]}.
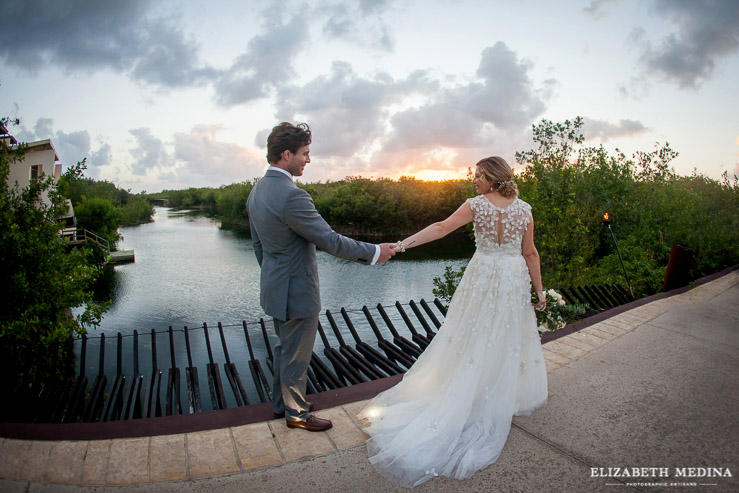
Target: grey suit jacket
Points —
{"points": [[285, 230]]}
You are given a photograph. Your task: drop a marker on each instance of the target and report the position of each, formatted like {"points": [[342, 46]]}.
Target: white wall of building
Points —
{"points": [[40, 154]]}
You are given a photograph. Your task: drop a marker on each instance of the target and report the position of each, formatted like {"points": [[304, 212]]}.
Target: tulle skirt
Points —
{"points": [[451, 413]]}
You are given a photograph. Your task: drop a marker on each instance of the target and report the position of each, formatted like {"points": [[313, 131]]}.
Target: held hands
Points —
{"points": [[387, 250], [399, 247]]}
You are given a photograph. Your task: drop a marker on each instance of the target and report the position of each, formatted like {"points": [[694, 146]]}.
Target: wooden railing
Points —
{"points": [[79, 236]]}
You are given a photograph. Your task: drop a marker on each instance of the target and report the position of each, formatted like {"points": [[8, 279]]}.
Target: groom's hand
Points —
{"points": [[386, 251]]}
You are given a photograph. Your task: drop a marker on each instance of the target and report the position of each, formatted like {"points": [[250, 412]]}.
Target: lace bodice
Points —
{"points": [[512, 222]]}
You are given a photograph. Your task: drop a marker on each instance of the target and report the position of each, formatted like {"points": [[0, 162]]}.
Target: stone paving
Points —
{"points": [[221, 452]]}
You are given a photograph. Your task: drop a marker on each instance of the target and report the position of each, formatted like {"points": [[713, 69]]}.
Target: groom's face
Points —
{"points": [[296, 162]]}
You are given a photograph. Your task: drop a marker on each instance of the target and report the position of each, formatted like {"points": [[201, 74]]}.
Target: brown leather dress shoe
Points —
{"points": [[282, 414], [311, 423]]}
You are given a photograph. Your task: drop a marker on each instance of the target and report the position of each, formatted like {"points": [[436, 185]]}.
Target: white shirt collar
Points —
{"points": [[275, 168]]}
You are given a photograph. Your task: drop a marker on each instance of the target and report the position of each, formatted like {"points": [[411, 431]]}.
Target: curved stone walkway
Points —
{"points": [[227, 451]]}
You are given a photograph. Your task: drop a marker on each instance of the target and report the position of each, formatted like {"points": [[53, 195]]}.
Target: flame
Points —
{"points": [[606, 216]]}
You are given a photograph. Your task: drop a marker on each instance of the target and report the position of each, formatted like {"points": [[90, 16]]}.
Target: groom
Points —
{"points": [[285, 230]]}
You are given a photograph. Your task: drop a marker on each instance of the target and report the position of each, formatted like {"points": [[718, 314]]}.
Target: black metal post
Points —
{"points": [[608, 223]]}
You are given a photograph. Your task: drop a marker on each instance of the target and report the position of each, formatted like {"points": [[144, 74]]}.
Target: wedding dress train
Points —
{"points": [[451, 413]]}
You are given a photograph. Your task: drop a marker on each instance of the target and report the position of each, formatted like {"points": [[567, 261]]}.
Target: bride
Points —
{"points": [[451, 413]]}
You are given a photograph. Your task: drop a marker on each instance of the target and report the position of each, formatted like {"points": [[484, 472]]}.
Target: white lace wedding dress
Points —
{"points": [[451, 413]]}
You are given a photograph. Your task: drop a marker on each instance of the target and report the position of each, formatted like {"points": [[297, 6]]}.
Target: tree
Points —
{"points": [[43, 281], [570, 186], [100, 206], [100, 216]]}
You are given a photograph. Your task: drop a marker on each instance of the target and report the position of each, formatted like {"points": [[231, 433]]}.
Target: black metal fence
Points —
{"points": [[401, 333]]}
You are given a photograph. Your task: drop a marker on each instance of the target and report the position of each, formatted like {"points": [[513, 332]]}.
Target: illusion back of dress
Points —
{"points": [[500, 230]]}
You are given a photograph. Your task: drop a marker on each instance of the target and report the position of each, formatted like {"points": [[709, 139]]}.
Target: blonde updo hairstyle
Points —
{"points": [[497, 172]]}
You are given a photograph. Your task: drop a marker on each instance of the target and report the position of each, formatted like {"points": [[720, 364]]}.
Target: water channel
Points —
{"points": [[189, 271]]}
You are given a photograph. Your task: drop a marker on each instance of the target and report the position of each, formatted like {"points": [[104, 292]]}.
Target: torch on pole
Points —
{"points": [[607, 222]]}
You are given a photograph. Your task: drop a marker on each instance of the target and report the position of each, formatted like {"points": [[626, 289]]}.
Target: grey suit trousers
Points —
{"points": [[291, 359]]}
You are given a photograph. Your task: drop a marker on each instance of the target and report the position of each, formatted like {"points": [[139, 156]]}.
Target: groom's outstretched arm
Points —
{"points": [[303, 218]]}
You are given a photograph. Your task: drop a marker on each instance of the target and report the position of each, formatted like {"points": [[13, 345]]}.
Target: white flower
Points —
{"points": [[562, 302]]}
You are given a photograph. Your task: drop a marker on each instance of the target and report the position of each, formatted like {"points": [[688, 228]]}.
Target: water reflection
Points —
{"points": [[189, 271]]}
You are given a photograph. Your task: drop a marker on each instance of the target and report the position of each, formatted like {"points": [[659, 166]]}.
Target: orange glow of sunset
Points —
{"points": [[434, 165], [438, 175]]}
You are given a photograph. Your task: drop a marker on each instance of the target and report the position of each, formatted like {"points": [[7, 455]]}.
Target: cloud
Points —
{"points": [[706, 31], [604, 131], [359, 23], [204, 163], [71, 147], [83, 35], [442, 124], [73, 144], [169, 59], [346, 112], [266, 64], [203, 159], [149, 152], [468, 115], [595, 8], [43, 127], [372, 6], [507, 97], [637, 87], [101, 157], [375, 123]]}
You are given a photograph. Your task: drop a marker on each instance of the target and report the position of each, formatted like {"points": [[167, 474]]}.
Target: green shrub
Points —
{"points": [[100, 216], [43, 281], [445, 286], [137, 210]]}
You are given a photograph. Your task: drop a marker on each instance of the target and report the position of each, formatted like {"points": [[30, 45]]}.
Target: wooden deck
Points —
{"points": [[122, 256]]}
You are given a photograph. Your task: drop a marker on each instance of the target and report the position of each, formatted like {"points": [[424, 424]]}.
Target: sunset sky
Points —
{"points": [[172, 94]]}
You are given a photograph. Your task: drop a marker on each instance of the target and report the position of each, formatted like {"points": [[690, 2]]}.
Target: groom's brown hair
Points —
{"points": [[287, 137]]}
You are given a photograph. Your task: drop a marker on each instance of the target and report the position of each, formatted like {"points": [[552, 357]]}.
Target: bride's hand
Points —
{"points": [[542, 303]]}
